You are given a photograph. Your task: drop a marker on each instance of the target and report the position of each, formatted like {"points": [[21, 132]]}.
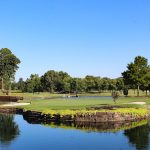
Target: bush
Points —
{"points": [[115, 95]]}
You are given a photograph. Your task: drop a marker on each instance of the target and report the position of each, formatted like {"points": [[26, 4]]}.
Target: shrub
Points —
{"points": [[115, 95]]}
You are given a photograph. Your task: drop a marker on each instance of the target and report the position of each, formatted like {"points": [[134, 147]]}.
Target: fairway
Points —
{"points": [[66, 104]]}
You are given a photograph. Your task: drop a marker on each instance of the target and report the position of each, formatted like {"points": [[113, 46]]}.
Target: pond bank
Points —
{"points": [[95, 116]]}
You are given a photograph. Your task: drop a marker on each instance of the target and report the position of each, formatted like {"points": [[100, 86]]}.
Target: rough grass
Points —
{"points": [[133, 111]]}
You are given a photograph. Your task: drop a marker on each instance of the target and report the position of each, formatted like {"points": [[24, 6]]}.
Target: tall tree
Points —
{"points": [[21, 85], [119, 84], [146, 85], [8, 65], [135, 73], [33, 84], [90, 83]]}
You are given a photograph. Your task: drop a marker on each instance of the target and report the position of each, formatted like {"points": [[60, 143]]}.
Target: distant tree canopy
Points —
{"points": [[61, 82], [8, 66], [137, 76]]}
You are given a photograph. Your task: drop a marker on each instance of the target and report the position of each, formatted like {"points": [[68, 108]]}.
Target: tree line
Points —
{"points": [[61, 82], [137, 76]]}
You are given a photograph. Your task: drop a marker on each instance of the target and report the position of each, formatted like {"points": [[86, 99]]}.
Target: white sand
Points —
{"points": [[140, 103], [15, 104]]}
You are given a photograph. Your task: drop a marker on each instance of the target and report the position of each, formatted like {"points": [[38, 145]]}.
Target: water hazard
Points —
{"points": [[16, 133]]}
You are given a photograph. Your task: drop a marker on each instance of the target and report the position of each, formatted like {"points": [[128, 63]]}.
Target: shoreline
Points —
{"points": [[91, 117]]}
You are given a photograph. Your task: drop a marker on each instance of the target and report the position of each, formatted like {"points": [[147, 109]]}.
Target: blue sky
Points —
{"points": [[95, 37]]}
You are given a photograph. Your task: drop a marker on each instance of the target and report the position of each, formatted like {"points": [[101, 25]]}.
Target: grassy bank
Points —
{"points": [[64, 106], [133, 111], [88, 106]]}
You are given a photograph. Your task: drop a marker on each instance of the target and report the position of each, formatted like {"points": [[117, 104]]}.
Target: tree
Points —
{"points": [[119, 84], [33, 84], [77, 85], [105, 84], [98, 84], [90, 83], [62, 83], [134, 75], [14, 86], [8, 66], [112, 85], [21, 85], [146, 85], [53, 81], [48, 80]]}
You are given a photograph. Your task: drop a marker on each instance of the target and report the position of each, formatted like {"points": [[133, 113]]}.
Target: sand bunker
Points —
{"points": [[139, 103], [15, 104]]}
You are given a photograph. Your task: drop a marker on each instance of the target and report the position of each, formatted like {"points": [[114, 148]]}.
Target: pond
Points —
{"points": [[91, 97], [71, 97], [18, 134]]}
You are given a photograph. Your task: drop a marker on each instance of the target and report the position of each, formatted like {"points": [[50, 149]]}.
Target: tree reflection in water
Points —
{"points": [[9, 130], [139, 137]]}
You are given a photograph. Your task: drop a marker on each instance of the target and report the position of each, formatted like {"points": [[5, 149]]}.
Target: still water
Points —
{"points": [[18, 134]]}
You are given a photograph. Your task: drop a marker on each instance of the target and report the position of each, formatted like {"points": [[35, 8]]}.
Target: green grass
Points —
{"points": [[84, 106], [47, 94], [133, 111], [56, 103], [66, 104], [63, 104], [79, 106]]}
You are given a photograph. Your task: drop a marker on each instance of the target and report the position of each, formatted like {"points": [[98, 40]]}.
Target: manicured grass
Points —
{"points": [[56, 103], [83, 106], [66, 104]]}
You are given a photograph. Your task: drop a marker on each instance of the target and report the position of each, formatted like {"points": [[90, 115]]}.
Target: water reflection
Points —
{"points": [[139, 136], [9, 130], [86, 126], [78, 135], [136, 132]]}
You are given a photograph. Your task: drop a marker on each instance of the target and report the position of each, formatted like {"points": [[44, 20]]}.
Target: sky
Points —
{"points": [[81, 37]]}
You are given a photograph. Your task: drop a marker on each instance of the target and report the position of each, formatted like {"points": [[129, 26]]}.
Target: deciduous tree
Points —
{"points": [[134, 75]]}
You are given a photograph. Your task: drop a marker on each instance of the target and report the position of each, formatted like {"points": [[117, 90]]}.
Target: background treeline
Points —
{"points": [[137, 76], [61, 82]]}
